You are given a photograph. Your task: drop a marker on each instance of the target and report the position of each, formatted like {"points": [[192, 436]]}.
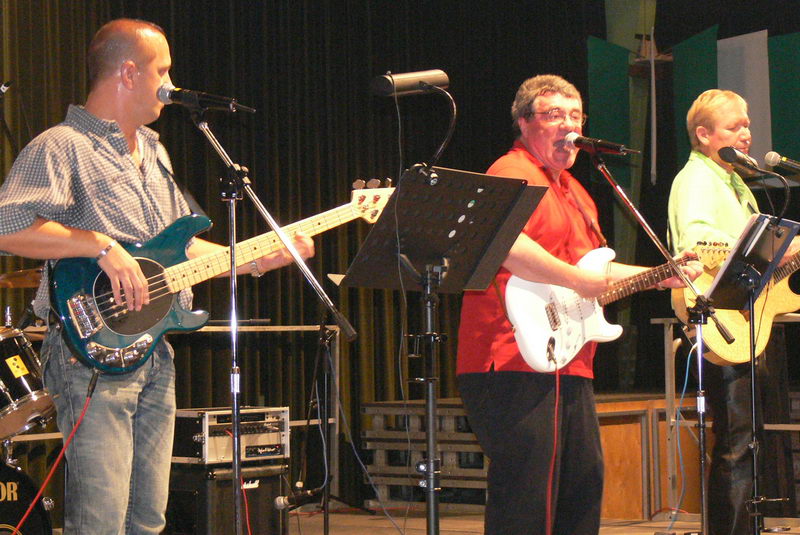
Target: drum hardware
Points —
{"points": [[24, 278], [24, 402]]}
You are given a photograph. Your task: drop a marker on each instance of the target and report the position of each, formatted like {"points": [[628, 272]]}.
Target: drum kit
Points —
{"points": [[24, 405]]}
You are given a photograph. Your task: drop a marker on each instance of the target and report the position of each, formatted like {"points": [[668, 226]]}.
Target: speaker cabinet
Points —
{"points": [[201, 500]]}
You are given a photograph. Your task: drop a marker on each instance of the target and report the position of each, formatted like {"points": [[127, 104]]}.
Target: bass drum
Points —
{"points": [[16, 493]]}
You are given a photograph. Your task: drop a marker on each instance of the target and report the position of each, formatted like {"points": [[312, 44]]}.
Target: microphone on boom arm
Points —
{"points": [[169, 94]]}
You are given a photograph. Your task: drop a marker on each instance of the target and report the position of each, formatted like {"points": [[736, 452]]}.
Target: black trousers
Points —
{"points": [[730, 478], [512, 415]]}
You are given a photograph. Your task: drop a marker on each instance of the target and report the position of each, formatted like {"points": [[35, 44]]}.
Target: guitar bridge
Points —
{"points": [[123, 356], [552, 316], [84, 315]]}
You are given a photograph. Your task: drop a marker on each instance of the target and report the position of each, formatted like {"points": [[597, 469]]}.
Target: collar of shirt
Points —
{"points": [[730, 178], [563, 178], [91, 124]]}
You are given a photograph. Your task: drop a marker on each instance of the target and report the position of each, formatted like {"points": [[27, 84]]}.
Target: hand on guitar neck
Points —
{"points": [[793, 249]]}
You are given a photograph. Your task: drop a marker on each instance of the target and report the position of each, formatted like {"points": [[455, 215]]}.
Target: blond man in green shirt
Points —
{"points": [[710, 202]]}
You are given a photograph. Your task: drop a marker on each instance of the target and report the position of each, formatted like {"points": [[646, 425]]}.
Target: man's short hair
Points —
{"points": [[533, 87], [114, 43], [703, 110]]}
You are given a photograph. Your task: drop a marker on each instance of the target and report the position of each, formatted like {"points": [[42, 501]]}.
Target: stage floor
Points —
{"points": [[471, 524]]}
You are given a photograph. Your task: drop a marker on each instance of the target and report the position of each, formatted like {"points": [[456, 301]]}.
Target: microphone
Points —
{"points": [[734, 156], [169, 94], [296, 499], [408, 83], [773, 159], [4, 87], [573, 140]]}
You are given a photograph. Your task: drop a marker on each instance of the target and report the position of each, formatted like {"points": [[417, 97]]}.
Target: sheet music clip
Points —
{"points": [[750, 264]]}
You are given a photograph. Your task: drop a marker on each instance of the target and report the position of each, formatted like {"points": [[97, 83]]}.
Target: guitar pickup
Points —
{"points": [[552, 316], [84, 315], [123, 356]]}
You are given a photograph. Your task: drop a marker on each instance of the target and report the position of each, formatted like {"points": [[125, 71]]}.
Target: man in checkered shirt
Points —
{"points": [[97, 178]]}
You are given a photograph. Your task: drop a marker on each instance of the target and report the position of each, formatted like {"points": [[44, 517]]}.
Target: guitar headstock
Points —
{"points": [[369, 202], [711, 254]]}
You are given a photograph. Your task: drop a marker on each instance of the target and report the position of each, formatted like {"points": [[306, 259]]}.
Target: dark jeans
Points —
{"points": [[730, 479], [512, 415]]}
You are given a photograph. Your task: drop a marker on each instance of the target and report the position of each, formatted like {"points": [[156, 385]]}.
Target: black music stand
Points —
{"points": [[751, 262], [746, 271], [450, 231]]}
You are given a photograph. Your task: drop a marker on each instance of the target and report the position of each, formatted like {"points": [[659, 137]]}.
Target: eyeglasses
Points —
{"points": [[557, 115]]}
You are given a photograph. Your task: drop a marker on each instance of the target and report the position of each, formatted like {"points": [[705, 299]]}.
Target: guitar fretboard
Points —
{"points": [[791, 265], [191, 272], [637, 283]]}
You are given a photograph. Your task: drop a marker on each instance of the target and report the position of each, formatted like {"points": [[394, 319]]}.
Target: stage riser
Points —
{"points": [[629, 427]]}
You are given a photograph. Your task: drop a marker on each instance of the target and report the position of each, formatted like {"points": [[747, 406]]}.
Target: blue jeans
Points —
{"points": [[118, 463]]}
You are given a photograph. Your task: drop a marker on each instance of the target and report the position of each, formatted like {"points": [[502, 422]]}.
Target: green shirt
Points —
{"points": [[707, 203]]}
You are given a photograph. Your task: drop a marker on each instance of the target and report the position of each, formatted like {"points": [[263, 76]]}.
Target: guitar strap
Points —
{"points": [[591, 223]]}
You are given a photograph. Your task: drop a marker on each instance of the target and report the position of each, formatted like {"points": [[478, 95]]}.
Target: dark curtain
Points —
{"points": [[306, 67]]}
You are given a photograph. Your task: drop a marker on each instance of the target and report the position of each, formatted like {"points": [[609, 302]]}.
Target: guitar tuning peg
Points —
{"points": [[373, 183], [359, 184]]}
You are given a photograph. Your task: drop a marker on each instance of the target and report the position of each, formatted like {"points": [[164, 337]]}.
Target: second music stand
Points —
{"points": [[443, 230], [746, 271]]}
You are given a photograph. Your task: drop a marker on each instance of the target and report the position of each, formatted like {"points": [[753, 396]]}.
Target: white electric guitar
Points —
{"points": [[552, 323]]}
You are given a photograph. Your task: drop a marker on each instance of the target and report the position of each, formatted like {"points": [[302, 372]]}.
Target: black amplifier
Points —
{"points": [[204, 436]]}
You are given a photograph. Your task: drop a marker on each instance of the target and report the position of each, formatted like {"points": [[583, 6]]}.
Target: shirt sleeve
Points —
{"points": [[38, 185], [694, 214]]}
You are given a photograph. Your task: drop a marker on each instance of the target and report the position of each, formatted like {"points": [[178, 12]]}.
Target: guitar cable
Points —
{"points": [[551, 474], [89, 391], [229, 432]]}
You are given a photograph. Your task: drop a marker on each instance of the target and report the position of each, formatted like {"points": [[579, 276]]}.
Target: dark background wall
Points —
{"points": [[306, 67]]}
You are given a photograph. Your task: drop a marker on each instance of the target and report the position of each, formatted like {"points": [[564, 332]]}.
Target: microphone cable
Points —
{"points": [[92, 383]]}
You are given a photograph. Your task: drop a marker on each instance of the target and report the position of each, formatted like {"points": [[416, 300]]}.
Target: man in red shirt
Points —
{"points": [[509, 405]]}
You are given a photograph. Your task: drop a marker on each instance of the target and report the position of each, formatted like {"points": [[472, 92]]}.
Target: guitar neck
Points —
{"points": [[791, 265], [191, 272], [637, 283]]}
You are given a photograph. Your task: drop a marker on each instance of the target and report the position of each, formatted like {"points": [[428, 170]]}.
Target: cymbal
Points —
{"points": [[35, 333], [24, 278]]}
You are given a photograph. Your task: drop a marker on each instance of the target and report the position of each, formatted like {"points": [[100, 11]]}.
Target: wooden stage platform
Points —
{"points": [[472, 524]]}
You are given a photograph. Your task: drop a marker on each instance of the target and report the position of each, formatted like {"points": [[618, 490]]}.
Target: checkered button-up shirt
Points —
{"points": [[81, 173]]}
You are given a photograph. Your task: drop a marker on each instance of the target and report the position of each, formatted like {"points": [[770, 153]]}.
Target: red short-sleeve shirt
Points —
{"points": [[485, 338]]}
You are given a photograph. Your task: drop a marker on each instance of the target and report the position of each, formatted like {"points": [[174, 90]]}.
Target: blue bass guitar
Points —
{"points": [[110, 337]]}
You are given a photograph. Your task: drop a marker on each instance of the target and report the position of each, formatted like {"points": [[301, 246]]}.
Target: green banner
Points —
{"points": [[784, 91], [694, 70], [609, 105]]}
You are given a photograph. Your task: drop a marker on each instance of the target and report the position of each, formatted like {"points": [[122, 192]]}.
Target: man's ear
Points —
{"points": [[127, 72], [702, 134], [522, 123]]}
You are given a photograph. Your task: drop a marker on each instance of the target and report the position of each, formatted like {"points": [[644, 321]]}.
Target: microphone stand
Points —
{"points": [[430, 467], [231, 190], [698, 316]]}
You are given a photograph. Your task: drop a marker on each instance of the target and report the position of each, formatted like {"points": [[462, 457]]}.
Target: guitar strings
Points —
{"points": [[648, 277], [158, 282]]}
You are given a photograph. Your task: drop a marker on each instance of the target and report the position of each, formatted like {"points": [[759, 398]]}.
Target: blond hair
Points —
{"points": [[704, 109]]}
